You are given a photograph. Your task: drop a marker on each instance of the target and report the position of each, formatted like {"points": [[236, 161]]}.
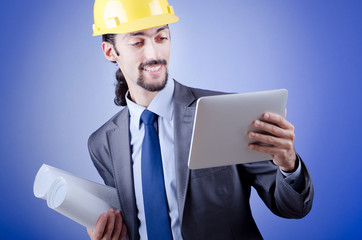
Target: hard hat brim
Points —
{"points": [[138, 25]]}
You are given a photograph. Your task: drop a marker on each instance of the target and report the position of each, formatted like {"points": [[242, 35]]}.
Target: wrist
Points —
{"points": [[290, 168]]}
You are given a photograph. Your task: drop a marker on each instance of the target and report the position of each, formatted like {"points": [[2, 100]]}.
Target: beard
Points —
{"points": [[152, 87]]}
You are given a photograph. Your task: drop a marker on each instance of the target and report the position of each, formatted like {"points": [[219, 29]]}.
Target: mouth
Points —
{"points": [[152, 68], [153, 71]]}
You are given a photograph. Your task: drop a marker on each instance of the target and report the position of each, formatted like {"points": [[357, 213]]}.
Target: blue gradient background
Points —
{"points": [[57, 88]]}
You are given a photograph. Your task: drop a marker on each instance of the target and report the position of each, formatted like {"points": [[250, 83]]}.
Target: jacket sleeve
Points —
{"points": [[99, 155], [278, 195]]}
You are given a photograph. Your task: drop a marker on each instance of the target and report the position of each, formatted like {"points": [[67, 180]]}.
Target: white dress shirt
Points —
{"points": [[162, 105]]}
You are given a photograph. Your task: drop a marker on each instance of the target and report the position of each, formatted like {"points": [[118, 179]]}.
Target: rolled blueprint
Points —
{"points": [[76, 198]]}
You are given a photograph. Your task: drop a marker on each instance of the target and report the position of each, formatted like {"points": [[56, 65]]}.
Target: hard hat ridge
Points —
{"points": [[124, 16]]}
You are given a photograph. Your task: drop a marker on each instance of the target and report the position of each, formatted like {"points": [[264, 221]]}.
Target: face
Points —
{"points": [[143, 57]]}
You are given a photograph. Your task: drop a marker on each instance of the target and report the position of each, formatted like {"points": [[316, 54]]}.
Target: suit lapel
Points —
{"points": [[119, 145], [183, 124]]}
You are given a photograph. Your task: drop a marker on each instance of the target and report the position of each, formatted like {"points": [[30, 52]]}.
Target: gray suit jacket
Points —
{"points": [[213, 203]]}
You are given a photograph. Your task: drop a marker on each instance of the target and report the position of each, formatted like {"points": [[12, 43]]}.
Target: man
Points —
{"points": [[190, 204]]}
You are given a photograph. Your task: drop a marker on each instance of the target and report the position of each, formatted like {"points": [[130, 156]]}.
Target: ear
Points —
{"points": [[109, 52]]}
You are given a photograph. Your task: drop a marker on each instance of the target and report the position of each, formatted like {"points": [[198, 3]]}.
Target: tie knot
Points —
{"points": [[148, 117]]}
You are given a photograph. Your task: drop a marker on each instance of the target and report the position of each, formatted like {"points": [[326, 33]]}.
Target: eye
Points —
{"points": [[161, 39], [136, 43]]}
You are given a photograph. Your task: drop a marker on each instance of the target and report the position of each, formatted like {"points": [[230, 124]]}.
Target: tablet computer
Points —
{"points": [[222, 123]]}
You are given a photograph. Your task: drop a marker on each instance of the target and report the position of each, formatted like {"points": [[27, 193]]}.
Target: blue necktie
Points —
{"points": [[153, 186]]}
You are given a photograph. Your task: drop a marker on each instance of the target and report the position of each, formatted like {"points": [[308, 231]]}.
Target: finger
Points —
{"points": [[272, 140], [285, 113], [117, 225], [110, 224], [123, 232], [100, 226], [274, 130], [279, 120], [265, 149]]}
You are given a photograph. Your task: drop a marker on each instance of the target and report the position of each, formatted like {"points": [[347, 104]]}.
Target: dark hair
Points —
{"points": [[121, 86]]}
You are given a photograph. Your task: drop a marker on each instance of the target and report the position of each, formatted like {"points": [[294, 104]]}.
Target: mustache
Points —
{"points": [[152, 62]]}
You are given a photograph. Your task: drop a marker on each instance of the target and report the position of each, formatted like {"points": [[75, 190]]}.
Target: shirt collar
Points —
{"points": [[162, 103]]}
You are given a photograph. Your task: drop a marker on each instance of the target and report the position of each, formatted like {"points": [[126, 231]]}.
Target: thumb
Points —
{"points": [[90, 232]]}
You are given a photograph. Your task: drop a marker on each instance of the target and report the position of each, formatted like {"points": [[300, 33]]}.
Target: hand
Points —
{"points": [[280, 142], [110, 226]]}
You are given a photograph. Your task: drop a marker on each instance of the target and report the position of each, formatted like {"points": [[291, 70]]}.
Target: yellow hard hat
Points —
{"points": [[125, 16]]}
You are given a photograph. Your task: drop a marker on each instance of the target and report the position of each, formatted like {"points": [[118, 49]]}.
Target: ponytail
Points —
{"points": [[121, 89]]}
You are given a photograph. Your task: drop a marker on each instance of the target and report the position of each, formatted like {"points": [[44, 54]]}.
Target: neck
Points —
{"points": [[141, 96]]}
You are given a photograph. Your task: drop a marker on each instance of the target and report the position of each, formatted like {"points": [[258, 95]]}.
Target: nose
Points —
{"points": [[150, 51]]}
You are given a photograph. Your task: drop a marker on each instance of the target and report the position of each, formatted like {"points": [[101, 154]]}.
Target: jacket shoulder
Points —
{"points": [[100, 135], [198, 93], [188, 95]]}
